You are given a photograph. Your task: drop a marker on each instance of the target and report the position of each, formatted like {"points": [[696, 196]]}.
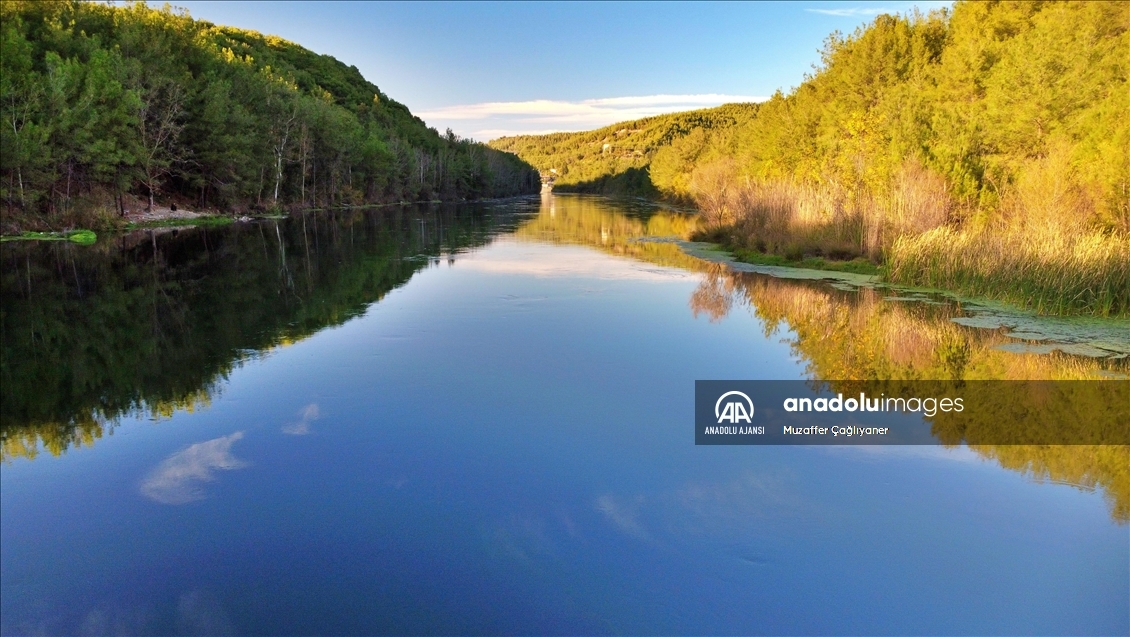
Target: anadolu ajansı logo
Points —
{"points": [[735, 409]]}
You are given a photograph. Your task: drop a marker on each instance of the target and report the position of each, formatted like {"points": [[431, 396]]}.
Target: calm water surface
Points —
{"points": [[477, 419]]}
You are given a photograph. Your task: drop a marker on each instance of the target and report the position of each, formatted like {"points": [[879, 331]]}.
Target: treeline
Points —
{"points": [[109, 107], [982, 149], [616, 159]]}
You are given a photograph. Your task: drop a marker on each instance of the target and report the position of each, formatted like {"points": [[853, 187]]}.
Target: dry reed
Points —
{"points": [[1041, 248], [1047, 271], [796, 219]]}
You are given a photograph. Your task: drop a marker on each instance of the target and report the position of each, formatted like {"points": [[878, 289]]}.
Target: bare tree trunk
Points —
{"points": [[67, 201], [278, 173], [280, 143], [305, 151], [157, 122]]}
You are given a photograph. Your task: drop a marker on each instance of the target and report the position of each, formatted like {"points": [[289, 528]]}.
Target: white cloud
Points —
{"points": [[177, 479], [533, 117], [887, 7], [850, 11], [495, 133]]}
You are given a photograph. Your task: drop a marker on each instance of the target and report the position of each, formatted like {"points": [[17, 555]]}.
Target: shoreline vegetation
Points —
{"points": [[81, 237], [980, 150], [165, 218], [112, 112], [855, 266]]}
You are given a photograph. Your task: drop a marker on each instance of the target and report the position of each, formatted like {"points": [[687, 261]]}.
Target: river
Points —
{"points": [[476, 419]]}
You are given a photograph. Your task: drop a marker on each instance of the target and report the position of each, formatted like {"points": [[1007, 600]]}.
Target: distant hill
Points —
{"points": [[112, 106], [616, 159]]}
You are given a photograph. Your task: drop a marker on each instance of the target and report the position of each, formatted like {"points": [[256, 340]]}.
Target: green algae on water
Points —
{"points": [[81, 237], [181, 222]]}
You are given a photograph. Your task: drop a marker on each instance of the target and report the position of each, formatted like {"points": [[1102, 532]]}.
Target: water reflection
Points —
{"points": [[840, 332], [178, 479], [628, 228], [624, 516], [301, 427], [854, 336], [509, 452], [153, 322], [865, 339]]}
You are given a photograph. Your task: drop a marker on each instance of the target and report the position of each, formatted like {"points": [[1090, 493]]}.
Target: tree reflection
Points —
{"points": [[853, 339], [624, 228], [714, 296], [859, 342], [152, 322]]}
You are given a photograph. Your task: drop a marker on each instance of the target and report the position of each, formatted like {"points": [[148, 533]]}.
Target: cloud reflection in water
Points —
{"points": [[178, 478], [302, 426]]}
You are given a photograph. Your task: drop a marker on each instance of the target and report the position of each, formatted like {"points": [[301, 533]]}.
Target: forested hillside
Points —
{"points": [[616, 159], [983, 149], [109, 107]]}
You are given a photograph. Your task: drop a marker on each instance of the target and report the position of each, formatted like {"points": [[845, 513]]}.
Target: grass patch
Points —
{"points": [[856, 266], [81, 237], [1049, 272], [181, 222]]}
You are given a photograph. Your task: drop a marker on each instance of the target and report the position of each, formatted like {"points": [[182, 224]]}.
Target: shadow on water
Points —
{"points": [[151, 322]]}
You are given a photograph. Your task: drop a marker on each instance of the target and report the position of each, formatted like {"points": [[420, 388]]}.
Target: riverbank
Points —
{"points": [[168, 217], [857, 266], [1051, 271], [1086, 336], [156, 218]]}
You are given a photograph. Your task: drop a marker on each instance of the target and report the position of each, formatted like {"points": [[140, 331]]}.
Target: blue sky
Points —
{"points": [[489, 69]]}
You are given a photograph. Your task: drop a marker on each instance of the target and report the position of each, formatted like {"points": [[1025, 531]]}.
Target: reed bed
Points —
{"points": [[1043, 246], [830, 219], [1047, 271]]}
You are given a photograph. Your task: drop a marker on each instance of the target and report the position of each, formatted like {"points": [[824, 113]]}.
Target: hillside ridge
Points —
{"points": [[614, 159]]}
